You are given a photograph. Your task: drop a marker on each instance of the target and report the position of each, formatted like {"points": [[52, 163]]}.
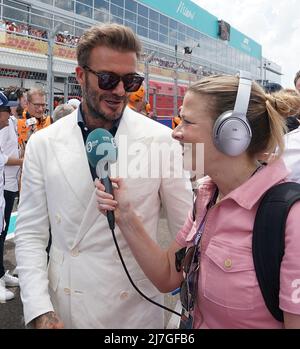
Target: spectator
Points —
{"points": [[74, 102], [62, 110], [17, 112], [137, 101], [35, 111], [297, 81], [271, 87], [291, 155], [292, 121]]}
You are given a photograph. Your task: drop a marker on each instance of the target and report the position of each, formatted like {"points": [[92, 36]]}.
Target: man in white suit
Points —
{"points": [[85, 285]]}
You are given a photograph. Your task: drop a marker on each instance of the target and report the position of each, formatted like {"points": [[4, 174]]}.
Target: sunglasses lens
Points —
{"points": [[187, 289], [132, 82], [108, 81]]}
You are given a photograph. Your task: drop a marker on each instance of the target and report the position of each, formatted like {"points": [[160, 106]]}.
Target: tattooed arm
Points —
{"points": [[48, 321]]}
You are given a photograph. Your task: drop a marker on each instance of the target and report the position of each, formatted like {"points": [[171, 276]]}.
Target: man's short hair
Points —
{"points": [[297, 77], [114, 36], [35, 91]]}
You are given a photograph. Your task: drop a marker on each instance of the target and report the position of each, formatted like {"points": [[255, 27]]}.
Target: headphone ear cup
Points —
{"points": [[231, 134]]}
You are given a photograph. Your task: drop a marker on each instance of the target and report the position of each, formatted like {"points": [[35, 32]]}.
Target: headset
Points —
{"points": [[231, 132]]}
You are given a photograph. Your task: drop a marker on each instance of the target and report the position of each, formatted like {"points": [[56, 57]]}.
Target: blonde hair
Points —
{"points": [[114, 36], [265, 112]]}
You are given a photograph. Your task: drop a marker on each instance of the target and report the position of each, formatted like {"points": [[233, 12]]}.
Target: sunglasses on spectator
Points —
{"points": [[108, 80]]}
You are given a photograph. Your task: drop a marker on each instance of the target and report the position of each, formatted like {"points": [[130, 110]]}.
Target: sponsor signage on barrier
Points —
{"points": [[21, 43]]}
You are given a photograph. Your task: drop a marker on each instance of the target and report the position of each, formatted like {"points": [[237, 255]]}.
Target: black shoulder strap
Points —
{"points": [[268, 242]]}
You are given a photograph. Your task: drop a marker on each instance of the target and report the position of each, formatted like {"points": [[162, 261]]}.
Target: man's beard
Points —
{"points": [[92, 101]]}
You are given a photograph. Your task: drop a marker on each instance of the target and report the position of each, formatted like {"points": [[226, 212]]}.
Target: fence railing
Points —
{"points": [[24, 60]]}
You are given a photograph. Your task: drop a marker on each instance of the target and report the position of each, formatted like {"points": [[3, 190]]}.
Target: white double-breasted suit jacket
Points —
{"points": [[84, 282]]}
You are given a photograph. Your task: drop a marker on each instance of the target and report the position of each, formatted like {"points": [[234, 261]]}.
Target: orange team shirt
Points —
{"points": [[176, 121], [23, 129]]}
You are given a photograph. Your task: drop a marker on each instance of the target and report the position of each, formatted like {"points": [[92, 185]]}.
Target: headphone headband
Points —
{"points": [[243, 95]]}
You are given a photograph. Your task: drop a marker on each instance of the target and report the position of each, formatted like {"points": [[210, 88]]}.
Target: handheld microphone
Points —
{"points": [[101, 151], [31, 121]]}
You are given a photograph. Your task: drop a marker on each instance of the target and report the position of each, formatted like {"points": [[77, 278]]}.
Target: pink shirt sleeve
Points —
{"points": [[289, 297], [182, 234]]}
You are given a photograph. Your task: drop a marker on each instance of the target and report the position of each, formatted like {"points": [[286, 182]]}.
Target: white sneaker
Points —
{"points": [[10, 281], [5, 295], [15, 272]]}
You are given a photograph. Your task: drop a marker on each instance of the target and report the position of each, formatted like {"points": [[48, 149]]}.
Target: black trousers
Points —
{"points": [[9, 197]]}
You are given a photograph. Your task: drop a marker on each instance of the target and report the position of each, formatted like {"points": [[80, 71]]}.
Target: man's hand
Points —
{"points": [[48, 321]]}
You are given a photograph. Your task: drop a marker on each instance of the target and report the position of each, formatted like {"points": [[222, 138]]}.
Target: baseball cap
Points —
{"points": [[8, 101], [74, 102]]}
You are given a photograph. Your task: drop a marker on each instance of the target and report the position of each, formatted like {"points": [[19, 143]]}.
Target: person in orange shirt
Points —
{"points": [[176, 121], [33, 118], [138, 103]]}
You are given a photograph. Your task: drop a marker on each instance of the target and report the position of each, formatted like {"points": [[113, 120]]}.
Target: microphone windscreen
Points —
{"points": [[100, 146]]}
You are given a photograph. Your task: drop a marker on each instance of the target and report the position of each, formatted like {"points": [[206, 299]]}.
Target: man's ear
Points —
{"points": [[80, 75]]}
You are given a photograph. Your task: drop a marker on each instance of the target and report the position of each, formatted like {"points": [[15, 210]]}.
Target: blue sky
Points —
{"points": [[275, 24]]}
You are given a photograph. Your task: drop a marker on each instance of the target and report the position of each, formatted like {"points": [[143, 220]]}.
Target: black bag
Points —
{"points": [[268, 241]]}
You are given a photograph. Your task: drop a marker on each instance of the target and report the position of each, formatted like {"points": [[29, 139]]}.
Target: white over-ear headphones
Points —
{"points": [[232, 132]]}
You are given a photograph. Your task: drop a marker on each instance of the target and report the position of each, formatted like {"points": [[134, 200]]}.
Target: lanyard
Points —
{"points": [[202, 223]]}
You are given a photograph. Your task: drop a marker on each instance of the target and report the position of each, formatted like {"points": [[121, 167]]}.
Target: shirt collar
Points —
{"points": [[81, 122], [250, 192], [79, 115]]}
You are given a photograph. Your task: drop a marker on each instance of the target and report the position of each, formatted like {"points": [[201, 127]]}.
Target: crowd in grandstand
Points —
{"points": [[167, 63], [67, 39], [28, 30]]}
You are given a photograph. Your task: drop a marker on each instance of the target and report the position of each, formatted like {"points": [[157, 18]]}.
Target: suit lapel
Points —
{"points": [[70, 154], [126, 128]]}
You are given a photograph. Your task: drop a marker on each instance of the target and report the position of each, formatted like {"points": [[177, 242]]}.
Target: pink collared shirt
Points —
{"points": [[228, 292]]}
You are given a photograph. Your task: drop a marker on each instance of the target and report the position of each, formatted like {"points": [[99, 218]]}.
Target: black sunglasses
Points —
{"points": [[108, 80]]}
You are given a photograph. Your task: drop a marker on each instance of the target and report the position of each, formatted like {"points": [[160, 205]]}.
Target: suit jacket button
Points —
{"points": [[58, 218], [75, 252], [124, 295]]}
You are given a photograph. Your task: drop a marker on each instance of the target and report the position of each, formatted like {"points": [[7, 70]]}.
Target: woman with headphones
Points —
{"points": [[211, 258]]}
